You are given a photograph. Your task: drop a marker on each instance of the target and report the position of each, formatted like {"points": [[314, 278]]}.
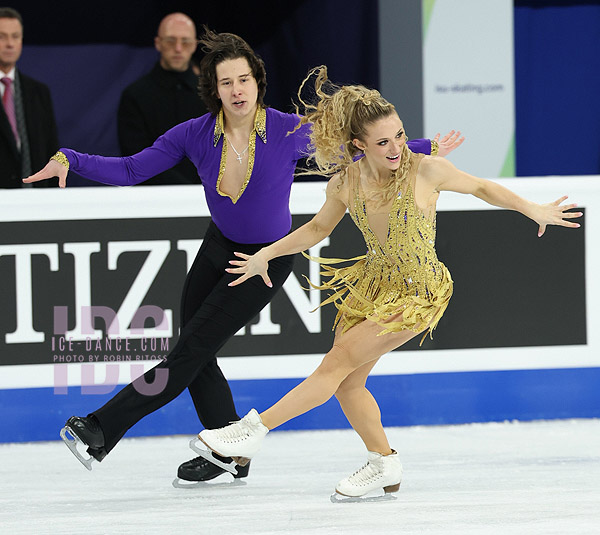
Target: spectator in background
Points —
{"points": [[27, 125], [163, 98]]}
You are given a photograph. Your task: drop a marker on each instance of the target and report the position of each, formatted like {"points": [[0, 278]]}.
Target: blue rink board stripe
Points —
{"points": [[420, 399]]}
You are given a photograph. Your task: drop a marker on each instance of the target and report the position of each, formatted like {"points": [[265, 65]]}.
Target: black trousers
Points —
{"points": [[211, 313]]}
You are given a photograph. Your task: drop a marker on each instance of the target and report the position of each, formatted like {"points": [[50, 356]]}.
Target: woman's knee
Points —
{"points": [[350, 388], [338, 360]]}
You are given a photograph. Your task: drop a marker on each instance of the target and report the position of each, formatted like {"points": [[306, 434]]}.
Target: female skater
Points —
{"points": [[396, 291], [246, 161]]}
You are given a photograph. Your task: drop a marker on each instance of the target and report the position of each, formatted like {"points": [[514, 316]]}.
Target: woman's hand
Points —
{"points": [[554, 213], [52, 169], [449, 142], [249, 266]]}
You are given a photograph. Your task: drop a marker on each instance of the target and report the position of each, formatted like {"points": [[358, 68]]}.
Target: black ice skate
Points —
{"points": [[87, 433], [220, 465], [196, 472]]}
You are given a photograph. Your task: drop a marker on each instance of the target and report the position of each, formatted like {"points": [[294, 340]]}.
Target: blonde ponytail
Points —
{"points": [[338, 116]]}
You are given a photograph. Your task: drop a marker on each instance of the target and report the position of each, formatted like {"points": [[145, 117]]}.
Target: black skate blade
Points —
{"points": [[209, 456], [179, 483], [340, 498], [72, 445]]}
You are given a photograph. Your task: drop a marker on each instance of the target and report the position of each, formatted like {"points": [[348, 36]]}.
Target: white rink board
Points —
{"points": [[188, 201]]}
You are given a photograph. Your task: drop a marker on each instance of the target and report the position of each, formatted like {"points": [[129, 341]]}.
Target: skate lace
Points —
{"points": [[365, 475], [235, 432]]}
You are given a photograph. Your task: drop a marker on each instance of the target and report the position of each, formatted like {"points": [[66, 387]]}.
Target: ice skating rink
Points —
{"points": [[498, 478]]}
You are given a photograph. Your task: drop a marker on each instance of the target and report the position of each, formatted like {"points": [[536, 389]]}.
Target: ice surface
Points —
{"points": [[509, 478]]}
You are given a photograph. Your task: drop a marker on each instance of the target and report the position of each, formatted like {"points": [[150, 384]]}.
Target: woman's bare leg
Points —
{"points": [[356, 347], [315, 390], [361, 409]]}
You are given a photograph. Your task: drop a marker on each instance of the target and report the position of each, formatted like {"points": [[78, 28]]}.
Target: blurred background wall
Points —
{"points": [[88, 52]]}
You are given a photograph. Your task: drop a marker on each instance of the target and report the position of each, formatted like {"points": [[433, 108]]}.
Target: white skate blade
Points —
{"points": [[375, 496], [192, 485], [209, 456], [72, 445]]}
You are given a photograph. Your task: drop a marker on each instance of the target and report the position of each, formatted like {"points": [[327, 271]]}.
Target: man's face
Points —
{"points": [[237, 88], [176, 42], [11, 43]]}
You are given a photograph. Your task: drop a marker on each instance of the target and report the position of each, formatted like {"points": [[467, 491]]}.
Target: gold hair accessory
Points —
{"points": [[435, 148], [61, 159]]}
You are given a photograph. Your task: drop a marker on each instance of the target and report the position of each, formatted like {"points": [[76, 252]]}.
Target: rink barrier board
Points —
{"points": [[449, 380], [405, 400]]}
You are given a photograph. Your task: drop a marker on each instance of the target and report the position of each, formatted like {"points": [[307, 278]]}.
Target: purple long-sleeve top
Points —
{"points": [[261, 213]]}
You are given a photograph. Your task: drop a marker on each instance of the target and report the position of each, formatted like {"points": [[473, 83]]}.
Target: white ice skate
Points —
{"points": [[239, 440], [382, 473]]}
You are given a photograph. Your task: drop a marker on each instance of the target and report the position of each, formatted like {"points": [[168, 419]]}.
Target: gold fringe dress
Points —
{"points": [[402, 275]]}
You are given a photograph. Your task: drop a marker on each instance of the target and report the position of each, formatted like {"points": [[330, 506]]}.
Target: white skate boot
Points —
{"points": [[382, 472], [239, 440]]}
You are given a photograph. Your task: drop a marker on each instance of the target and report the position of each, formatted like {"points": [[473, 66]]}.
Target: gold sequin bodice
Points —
{"points": [[407, 258], [399, 283]]}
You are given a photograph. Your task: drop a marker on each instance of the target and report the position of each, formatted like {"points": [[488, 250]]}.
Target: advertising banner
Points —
{"points": [[468, 81], [90, 282]]}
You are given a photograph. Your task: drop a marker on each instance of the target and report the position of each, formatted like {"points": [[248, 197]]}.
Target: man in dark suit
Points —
{"points": [[164, 97], [27, 125]]}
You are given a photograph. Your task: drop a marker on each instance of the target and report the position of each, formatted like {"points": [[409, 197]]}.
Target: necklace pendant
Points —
{"points": [[239, 155]]}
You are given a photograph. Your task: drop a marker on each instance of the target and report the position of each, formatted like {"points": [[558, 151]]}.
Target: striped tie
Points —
{"points": [[9, 107]]}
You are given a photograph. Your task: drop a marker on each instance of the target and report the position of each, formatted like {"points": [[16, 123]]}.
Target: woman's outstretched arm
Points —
{"points": [[309, 234], [442, 175]]}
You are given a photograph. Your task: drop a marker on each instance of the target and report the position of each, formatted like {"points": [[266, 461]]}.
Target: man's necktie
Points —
{"points": [[9, 106]]}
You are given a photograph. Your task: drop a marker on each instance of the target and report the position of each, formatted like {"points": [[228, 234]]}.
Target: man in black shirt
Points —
{"points": [[164, 97]]}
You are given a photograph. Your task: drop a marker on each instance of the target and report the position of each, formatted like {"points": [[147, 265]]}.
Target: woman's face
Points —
{"points": [[236, 87], [383, 142]]}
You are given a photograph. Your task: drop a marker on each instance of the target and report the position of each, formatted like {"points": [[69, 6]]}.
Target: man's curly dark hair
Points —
{"points": [[218, 47]]}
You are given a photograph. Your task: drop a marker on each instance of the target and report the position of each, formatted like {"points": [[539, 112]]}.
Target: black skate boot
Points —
{"points": [[200, 469], [88, 433]]}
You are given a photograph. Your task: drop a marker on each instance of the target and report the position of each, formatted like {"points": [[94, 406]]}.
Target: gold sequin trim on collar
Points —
{"points": [[260, 124], [260, 127]]}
